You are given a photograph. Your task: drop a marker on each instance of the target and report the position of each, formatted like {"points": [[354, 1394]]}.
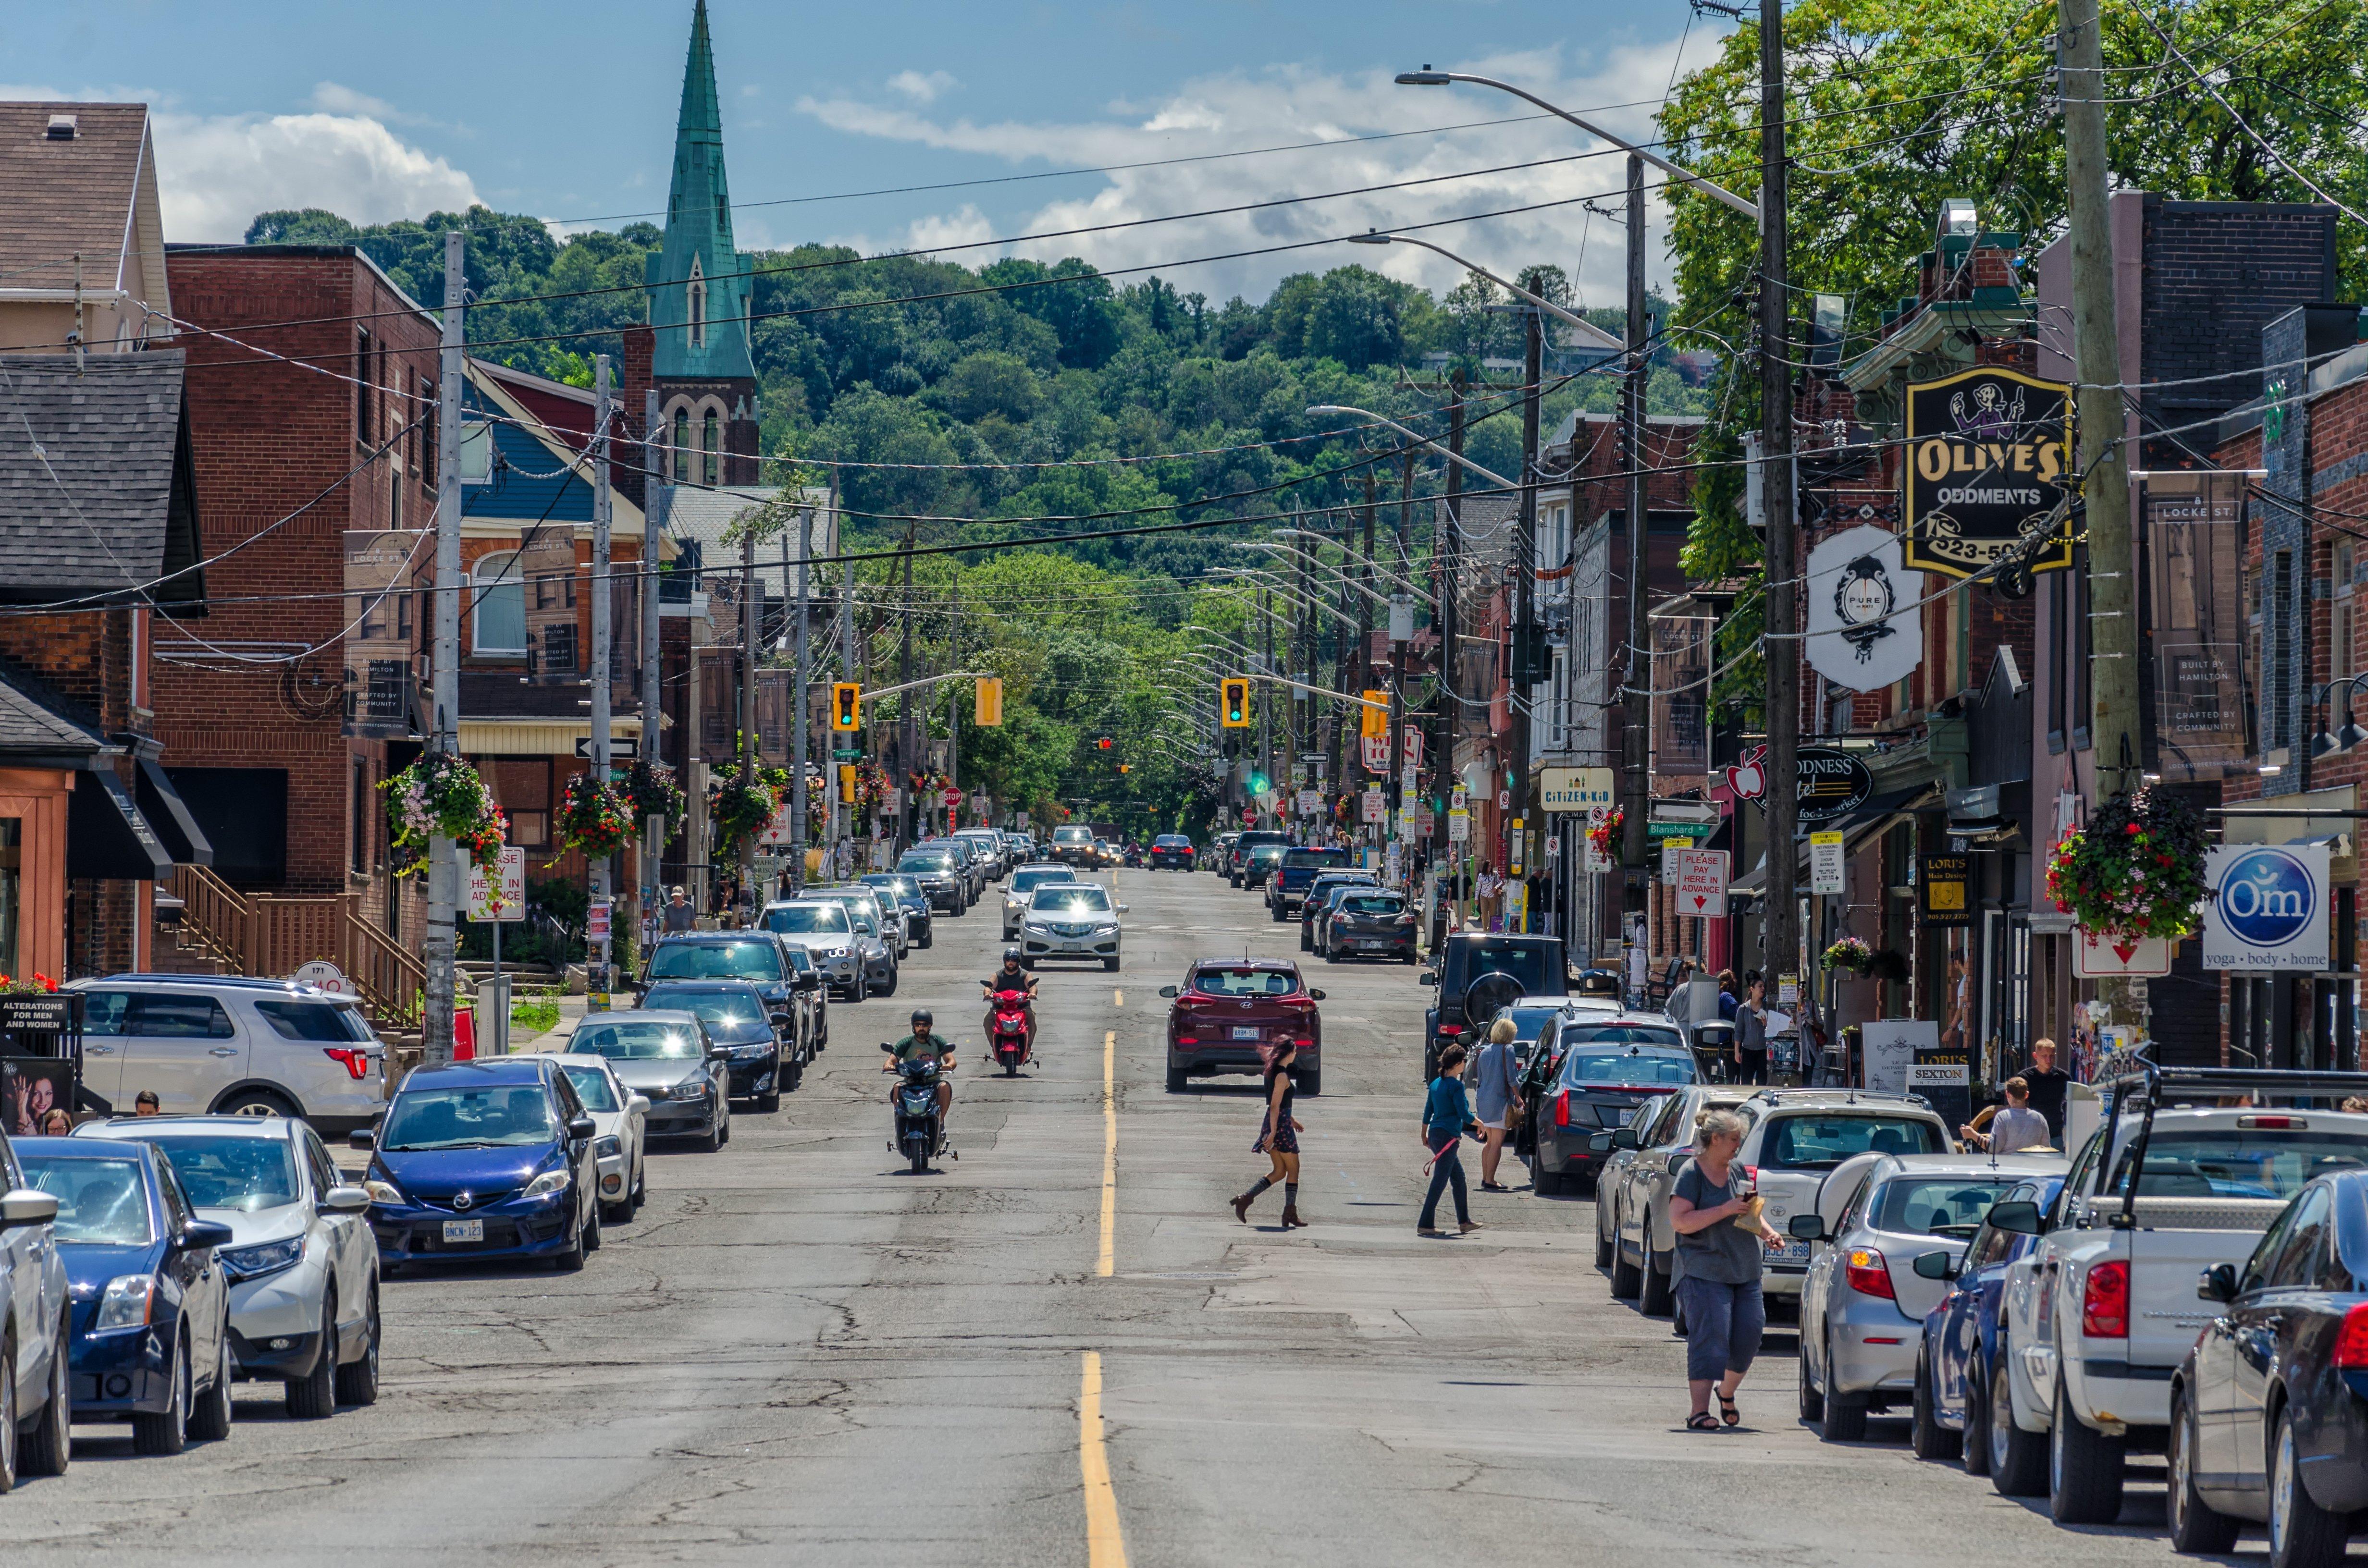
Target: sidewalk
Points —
{"points": [[571, 1012]]}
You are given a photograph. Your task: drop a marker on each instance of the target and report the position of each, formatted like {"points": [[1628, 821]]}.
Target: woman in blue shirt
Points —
{"points": [[1446, 1117]]}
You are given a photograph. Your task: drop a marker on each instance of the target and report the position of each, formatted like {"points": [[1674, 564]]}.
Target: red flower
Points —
{"points": [[2133, 830]]}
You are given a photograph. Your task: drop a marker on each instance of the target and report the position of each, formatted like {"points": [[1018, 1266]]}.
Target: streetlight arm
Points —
{"points": [[1429, 78], [1341, 570], [1378, 236], [1489, 474]]}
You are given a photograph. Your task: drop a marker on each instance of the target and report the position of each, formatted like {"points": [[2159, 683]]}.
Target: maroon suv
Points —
{"points": [[1229, 1013]]}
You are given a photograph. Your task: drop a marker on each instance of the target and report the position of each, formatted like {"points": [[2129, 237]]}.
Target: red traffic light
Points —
{"points": [[1104, 742]]}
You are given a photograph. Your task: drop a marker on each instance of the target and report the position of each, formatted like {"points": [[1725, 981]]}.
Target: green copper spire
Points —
{"points": [[698, 293]]}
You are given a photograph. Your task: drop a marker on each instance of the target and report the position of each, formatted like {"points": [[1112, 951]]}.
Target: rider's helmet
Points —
{"points": [[1012, 955], [922, 1019]]}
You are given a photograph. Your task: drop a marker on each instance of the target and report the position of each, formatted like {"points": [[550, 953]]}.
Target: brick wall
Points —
{"points": [[2216, 273]]}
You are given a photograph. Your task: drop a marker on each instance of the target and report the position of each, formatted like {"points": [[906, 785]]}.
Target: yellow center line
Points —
{"points": [[1109, 1154], [1105, 1546], [1118, 998]]}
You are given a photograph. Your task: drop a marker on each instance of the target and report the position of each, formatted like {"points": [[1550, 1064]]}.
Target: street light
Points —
{"points": [[1340, 568], [1376, 237], [1491, 475]]}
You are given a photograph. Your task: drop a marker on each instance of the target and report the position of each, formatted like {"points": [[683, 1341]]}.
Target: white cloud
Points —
{"points": [[1284, 106], [921, 89], [214, 172]]}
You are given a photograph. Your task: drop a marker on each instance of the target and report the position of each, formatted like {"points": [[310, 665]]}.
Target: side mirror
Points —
{"points": [[1805, 1227], [718, 1054], [361, 1138], [1934, 1265], [638, 1105], [345, 1201], [2217, 1283], [1319, 996], [784, 1020], [1427, 977], [1121, 908], [2018, 1217], [27, 1206], [581, 1127], [1600, 1143], [201, 1233], [1624, 1138], [1168, 991]]}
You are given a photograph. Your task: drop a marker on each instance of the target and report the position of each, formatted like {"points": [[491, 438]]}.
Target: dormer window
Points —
{"points": [[62, 127], [698, 305]]}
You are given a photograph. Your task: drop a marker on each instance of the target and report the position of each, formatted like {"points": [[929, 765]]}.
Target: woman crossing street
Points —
{"points": [[1278, 1140]]}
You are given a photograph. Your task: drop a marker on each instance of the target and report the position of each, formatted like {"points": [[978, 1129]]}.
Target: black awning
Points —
{"points": [[106, 838], [1879, 813], [165, 812]]}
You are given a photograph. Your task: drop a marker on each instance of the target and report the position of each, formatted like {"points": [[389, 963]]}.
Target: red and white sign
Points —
{"points": [[1700, 878], [2096, 956], [1377, 809], [954, 797], [1377, 752], [1749, 777], [596, 921], [1412, 747], [499, 894], [323, 976], [776, 832]]}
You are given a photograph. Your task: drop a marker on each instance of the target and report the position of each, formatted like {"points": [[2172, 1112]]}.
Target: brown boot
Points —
{"points": [[1290, 1219], [1242, 1209]]}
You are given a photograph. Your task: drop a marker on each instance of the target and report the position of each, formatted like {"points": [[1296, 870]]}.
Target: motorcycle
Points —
{"points": [[1013, 1038], [920, 1126]]}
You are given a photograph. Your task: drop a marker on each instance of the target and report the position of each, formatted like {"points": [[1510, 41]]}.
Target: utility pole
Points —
{"points": [[804, 710], [1525, 576], [1266, 697], [1781, 924], [438, 948], [2113, 677], [653, 833], [907, 750], [1635, 705], [750, 623], [851, 668], [1446, 548], [602, 868]]}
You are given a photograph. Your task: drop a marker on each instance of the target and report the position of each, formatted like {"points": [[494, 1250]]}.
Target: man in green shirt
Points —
{"points": [[925, 1041]]}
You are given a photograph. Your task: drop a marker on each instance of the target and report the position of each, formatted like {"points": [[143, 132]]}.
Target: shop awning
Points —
{"points": [[1880, 815], [163, 806], [106, 838]]}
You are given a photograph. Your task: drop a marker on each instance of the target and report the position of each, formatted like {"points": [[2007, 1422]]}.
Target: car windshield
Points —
{"points": [[1073, 836], [1529, 962], [2234, 1162], [716, 961], [922, 865], [1171, 841], [903, 887], [636, 1040], [1819, 1141], [246, 1174], [728, 1014], [1390, 904], [808, 920], [104, 1201], [1582, 1066], [1034, 877], [1939, 1206], [1245, 983], [1657, 1035], [1267, 852], [591, 1086], [496, 1114], [1070, 899], [1294, 859]]}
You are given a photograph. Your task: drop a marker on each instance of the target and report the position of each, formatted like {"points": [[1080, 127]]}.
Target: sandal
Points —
{"points": [[1494, 1187], [1702, 1421], [1728, 1412]]}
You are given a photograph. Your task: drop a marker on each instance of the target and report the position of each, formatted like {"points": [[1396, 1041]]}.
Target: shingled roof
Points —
{"points": [[97, 492], [34, 724], [90, 192]]}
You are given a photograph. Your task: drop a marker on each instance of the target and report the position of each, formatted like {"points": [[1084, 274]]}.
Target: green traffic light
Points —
{"points": [[1257, 783]]}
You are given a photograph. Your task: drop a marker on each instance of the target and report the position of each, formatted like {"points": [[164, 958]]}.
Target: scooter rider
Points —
{"points": [[924, 1041], [1010, 977]]}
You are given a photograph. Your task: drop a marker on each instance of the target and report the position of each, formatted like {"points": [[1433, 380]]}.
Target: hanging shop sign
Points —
{"points": [[1376, 750], [1866, 622], [1832, 782], [2193, 544], [2268, 908], [1944, 886], [1575, 789], [1989, 458]]}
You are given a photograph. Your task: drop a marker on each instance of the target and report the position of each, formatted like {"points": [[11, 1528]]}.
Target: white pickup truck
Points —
{"points": [[2100, 1313]]}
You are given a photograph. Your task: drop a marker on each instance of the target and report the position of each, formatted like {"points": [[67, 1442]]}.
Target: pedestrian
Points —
{"points": [[1495, 1085], [2048, 1084], [1751, 1036], [1446, 1118], [145, 1104], [678, 912], [1721, 1241], [2016, 1128], [1490, 886], [1730, 996], [1278, 1140]]}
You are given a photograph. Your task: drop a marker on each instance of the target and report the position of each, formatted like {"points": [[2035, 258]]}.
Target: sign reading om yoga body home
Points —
{"points": [[1989, 457]]}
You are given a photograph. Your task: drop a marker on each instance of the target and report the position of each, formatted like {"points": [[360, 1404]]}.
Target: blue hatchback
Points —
{"points": [[149, 1317], [1960, 1358], [487, 1159]]}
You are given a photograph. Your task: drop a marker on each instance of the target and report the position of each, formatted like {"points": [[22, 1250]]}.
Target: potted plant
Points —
{"points": [[441, 794], [654, 793], [595, 816], [2136, 869], [1851, 954]]}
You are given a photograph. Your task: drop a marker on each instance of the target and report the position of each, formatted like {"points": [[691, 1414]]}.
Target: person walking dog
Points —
{"points": [[1495, 1074], [1720, 1239], [1278, 1140], [1446, 1118]]}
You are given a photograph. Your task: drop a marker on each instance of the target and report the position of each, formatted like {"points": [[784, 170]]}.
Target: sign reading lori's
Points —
{"points": [[1989, 458]]}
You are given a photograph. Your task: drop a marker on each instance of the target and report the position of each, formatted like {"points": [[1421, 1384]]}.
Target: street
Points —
{"points": [[799, 1351]]}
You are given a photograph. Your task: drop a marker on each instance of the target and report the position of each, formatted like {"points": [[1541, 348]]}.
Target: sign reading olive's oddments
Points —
{"points": [[1989, 456]]}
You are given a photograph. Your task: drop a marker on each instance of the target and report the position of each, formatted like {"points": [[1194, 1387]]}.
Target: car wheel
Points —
{"points": [[1028, 964], [1844, 1415], [927, 939], [1602, 1244], [1975, 1447], [164, 1431], [862, 984], [1110, 966], [314, 1394], [1176, 1080], [1658, 1297], [357, 1379], [2017, 1459], [2084, 1470], [1310, 1083], [253, 1102], [592, 1230], [2302, 1534], [895, 974], [209, 1416], [1928, 1437], [1813, 1404], [8, 1412], [2195, 1525], [571, 1260], [1274, 911], [1627, 1279], [640, 1191], [47, 1449]]}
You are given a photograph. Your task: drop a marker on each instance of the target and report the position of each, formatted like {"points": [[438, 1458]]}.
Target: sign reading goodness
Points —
{"points": [[1989, 457]]}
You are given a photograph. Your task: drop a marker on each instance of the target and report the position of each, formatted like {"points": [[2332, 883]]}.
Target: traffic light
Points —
{"points": [[1126, 768], [846, 782], [1257, 783], [1235, 704], [990, 701], [845, 706], [1103, 744], [1376, 713]]}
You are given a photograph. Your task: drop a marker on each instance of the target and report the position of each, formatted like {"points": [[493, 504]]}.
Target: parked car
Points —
{"points": [[1477, 972], [940, 877], [1071, 920], [1865, 1296], [1260, 864], [912, 898], [1074, 843], [760, 958], [873, 937], [1172, 852], [1963, 1338], [1244, 843], [228, 1045], [151, 1340], [301, 1262], [1229, 1012], [1289, 882], [965, 865], [1801, 1136], [824, 929], [810, 1002], [1637, 1172], [1218, 856], [490, 1159], [990, 846], [36, 1334], [1022, 886], [1368, 923], [757, 1063], [1318, 902], [1609, 1067], [620, 1131], [670, 1060], [2161, 1193]]}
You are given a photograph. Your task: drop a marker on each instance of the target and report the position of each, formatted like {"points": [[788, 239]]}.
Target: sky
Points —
{"points": [[568, 112]]}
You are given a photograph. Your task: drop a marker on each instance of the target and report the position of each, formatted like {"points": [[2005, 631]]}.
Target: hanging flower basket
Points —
{"points": [[654, 793], [1851, 953], [441, 794], [2137, 870], [1605, 833], [595, 816], [740, 811]]}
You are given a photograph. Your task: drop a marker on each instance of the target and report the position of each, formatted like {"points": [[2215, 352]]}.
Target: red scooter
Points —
{"points": [[1011, 1036]]}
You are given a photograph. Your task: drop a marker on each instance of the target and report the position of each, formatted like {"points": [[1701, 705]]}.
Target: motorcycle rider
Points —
{"points": [[924, 1041], [1010, 977]]}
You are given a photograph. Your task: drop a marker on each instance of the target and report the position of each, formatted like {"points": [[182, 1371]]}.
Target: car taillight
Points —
{"points": [[2352, 1341], [1562, 1108], [2105, 1301], [1450, 1030], [1869, 1275], [356, 1062]]}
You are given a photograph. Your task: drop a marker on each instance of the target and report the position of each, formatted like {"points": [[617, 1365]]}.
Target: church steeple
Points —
{"points": [[699, 289]]}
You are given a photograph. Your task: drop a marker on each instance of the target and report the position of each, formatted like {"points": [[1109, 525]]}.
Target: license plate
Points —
{"points": [[1240, 1033], [465, 1231], [1621, 1115], [1791, 1252]]}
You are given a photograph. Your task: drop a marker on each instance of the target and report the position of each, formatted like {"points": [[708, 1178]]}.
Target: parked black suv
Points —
{"points": [[1237, 859], [1478, 972]]}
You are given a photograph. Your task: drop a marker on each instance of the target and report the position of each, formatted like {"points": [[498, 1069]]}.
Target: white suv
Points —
{"points": [[224, 1045]]}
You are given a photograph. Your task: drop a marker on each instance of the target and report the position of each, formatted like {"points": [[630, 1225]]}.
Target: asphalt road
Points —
{"points": [[800, 1353]]}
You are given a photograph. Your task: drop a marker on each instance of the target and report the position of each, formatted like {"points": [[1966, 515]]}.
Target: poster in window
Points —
{"points": [[1681, 647], [1989, 458], [2194, 537]]}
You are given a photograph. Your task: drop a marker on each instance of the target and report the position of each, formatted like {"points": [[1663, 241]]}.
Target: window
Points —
{"points": [[365, 402], [12, 887], [390, 690], [104, 1202], [2279, 689], [102, 1012], [808, 920], [759, 960], [592, 1087], [1245, 983], [711, 445], [499, 624], [323, 1021], [1951, 1206], [681, 443], [2342, 627], [698, 311], [497, 1115], [228, 1172], [360, 846], [1821, 1143], [553, 590], [477, 452], [429, 454], [179, 1017]]}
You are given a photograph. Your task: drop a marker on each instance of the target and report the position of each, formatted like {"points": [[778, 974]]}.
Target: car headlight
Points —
{"points": [[749, 1052], [264, 1258], [690, 1089], [550, 1183], [125, 1302], [384, 1192], [608, 1148], [1108, 930]]}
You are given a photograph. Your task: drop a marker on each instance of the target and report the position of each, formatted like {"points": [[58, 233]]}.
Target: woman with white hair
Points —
{"points": [[1497, 1091], [1720, 1242]]}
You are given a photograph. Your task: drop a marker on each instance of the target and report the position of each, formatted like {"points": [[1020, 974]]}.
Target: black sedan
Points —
{"points": [[758, 1063], [1609, 1068], [1172, 852], [2269, 1413]]}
